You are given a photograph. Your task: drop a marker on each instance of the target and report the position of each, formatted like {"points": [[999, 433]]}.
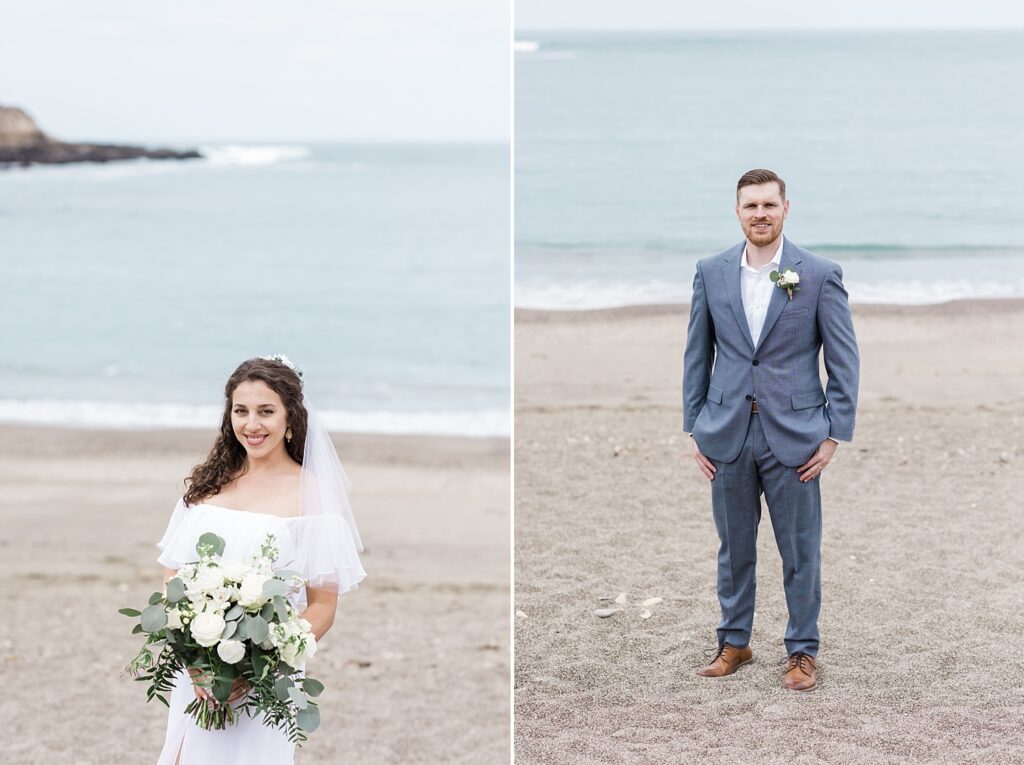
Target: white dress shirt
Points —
{"points": [[756, 287]]}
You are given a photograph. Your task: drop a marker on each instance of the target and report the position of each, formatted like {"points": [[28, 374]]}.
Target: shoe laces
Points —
{"points": [[714, 653], [800, 660]]}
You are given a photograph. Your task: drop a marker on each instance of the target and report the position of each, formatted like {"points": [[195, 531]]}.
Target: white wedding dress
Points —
{"points": [[318, 547]]}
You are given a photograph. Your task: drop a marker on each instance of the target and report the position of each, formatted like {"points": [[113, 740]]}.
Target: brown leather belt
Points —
{"points": [[753, 407]]}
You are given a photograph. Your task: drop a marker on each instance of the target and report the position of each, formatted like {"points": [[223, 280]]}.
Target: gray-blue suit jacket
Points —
{"points": [[723, 370]]}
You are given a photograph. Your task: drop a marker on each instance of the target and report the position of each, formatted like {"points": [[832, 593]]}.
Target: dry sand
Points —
{"points": [[416, 666], [923, 613]]}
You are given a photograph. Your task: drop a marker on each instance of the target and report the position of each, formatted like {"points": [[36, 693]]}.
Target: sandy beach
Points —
{"points": [[416, 666], [923, 577]]}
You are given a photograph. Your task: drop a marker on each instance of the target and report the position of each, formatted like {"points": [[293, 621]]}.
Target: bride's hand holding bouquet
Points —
{"points": [[230, 625]]}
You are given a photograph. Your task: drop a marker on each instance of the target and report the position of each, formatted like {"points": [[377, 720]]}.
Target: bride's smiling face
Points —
{"points": [[258, 418]]}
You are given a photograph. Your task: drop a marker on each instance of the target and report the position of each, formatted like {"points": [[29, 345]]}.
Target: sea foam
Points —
{"points": [[583, 296], [107, 415], [241, 155]]}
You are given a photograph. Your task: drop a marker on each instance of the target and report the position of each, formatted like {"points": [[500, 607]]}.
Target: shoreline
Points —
{"points": [[948, 308]]}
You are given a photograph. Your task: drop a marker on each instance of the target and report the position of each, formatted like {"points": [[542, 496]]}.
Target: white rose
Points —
{"points": [[792, 276], [173, 619], [251, 592], [207, 628], [232, 651], [310, 648], [306, 626], [220, 598], [235, 571], [290, 654], [207, 579]]}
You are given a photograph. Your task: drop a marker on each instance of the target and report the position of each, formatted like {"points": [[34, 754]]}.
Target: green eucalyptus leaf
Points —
{"points": [[281, 607], [154, 618], [235, 612], [267, 612], [209, 539], [309, 718], [313, 687], [774, 276], [175, 590], [136, 629], [129, 612], [298, 698], [222, 688], [260, 663], [285, 669], [274, 587], [282, 686], [155, 598], [229, 630], [256, 628]]}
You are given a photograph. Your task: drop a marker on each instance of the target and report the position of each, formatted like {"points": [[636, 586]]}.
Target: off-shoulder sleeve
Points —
{"points": [[167, 541], [326, 554]]}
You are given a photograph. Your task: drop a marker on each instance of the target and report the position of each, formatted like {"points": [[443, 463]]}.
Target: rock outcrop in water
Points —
{"points": [[23, 143]]}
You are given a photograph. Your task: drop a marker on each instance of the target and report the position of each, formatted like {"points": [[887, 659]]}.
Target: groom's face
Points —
{"points": [[761, 210]]}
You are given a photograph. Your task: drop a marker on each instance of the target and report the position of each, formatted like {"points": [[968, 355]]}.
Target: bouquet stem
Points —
{"points": [[209, 717]]}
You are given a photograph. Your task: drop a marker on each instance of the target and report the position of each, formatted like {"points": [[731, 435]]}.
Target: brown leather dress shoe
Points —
{"points": [[727, 659], [801, 673]]}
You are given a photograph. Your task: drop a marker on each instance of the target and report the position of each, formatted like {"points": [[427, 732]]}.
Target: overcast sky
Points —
{"points": [[378, 70], [757, 14]]}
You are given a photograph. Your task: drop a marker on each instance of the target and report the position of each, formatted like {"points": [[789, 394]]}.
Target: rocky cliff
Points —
{"points": [[23, 143]]}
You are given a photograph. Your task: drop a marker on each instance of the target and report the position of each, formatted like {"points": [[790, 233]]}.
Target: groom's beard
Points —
{"points": [[763, 236]]}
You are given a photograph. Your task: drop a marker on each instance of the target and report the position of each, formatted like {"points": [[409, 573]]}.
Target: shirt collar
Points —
{"points": [[775, 261]]}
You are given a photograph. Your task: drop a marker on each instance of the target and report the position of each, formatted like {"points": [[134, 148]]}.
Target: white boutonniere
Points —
{"points": [[787, 280]]}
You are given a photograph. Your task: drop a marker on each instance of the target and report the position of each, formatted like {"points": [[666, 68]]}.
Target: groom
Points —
{"points": [[761, 423]]}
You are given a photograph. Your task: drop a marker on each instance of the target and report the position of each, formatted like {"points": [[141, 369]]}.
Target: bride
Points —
{"points": [[273, 469]]}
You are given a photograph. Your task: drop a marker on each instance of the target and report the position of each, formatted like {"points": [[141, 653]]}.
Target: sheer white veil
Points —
{"points": [[327, 540], [323, 481]]}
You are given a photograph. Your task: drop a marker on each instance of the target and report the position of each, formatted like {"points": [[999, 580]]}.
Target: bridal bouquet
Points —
{"points": [[231, 622]]}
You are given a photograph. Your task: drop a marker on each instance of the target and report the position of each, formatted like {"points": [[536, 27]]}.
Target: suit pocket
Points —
{"points": [[799, 313], [714, 394], [807, 400]]}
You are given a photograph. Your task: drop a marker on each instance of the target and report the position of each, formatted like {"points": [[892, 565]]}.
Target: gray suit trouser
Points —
{"points": [[795, 510]]}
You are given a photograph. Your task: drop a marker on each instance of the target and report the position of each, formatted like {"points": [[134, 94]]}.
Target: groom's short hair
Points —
{"points": [[757, 177]]}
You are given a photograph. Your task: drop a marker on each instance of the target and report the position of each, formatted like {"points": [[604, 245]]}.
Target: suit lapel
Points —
{"points": [[790, 259], [731, 272]]}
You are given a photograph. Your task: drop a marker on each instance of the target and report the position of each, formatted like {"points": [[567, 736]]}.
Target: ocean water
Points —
{"points": [[132, 290], [903, 153]]}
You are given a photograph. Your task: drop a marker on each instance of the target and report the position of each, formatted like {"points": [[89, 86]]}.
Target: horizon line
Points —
{"points": [[732, 30]]}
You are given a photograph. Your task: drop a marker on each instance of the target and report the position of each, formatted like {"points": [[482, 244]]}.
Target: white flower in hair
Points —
{"points": [[280, 358]]}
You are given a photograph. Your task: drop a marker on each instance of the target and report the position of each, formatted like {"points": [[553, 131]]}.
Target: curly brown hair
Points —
{"points": [[227, 459]]}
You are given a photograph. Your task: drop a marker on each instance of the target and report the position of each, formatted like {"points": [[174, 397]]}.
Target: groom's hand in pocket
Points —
{"points": [[813, 467], [705, 465]]}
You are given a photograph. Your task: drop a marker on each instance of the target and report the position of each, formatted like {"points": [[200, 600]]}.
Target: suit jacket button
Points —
{"points": [[756, 362], [748, 398]]}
